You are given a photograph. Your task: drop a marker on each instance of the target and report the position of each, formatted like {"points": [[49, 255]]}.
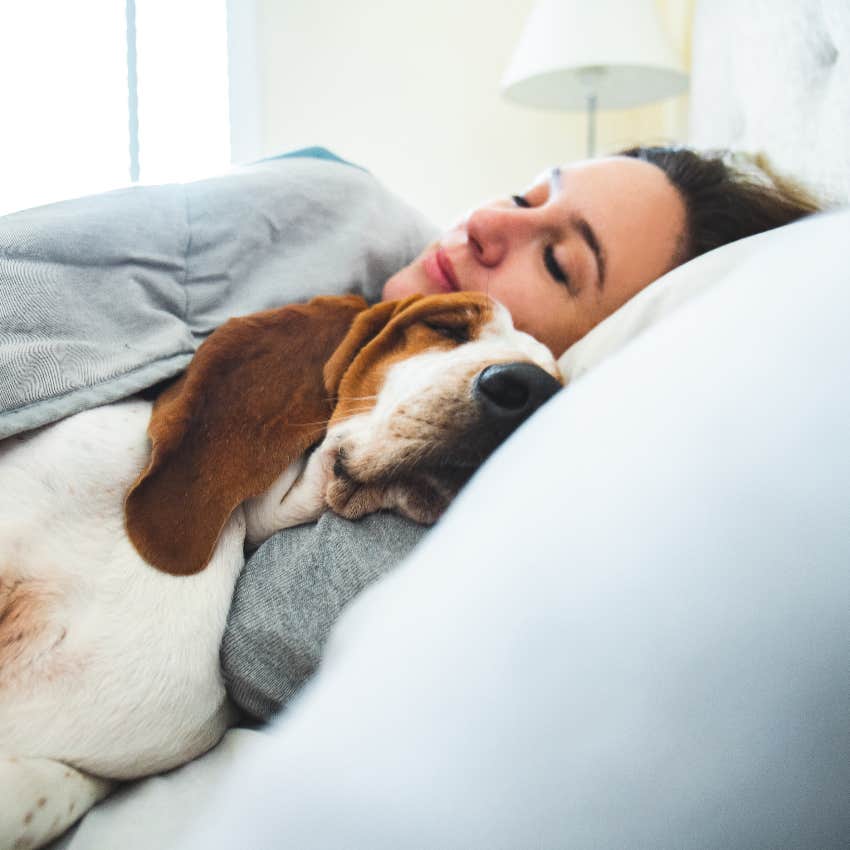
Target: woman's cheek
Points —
{"points": [[401, 284]]}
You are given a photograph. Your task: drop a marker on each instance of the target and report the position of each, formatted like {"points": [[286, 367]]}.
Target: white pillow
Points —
{"points": [[659, 300], [630, 629]]}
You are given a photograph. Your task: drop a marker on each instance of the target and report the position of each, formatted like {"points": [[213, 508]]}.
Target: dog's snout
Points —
{"points": [[513, 391]]}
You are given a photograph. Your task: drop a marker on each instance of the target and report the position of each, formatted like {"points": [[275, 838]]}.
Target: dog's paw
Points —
{"points": [[346, 495], [421, 500]]}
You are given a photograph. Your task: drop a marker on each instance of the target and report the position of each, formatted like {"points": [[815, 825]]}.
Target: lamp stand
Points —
{"points": [[591, 125], [592, 79]]}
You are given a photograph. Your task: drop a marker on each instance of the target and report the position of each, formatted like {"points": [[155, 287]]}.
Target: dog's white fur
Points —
{"points": [[109, 669]]}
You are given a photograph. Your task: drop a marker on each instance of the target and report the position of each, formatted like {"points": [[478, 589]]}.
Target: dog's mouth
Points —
{"points": [[420, 492], [454, 463], [414, 470]]}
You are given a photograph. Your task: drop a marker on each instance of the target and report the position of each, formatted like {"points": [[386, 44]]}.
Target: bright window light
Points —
{"points": [[65, 99], [63, 92], [184, 130]]}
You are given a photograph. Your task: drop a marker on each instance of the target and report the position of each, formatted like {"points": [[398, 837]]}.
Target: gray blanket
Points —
{"points": [[102, 297]]}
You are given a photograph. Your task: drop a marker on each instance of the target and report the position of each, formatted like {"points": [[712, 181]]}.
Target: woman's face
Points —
{"points": [[565, 253]]}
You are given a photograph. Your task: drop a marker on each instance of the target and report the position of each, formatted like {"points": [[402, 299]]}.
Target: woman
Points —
{"points": [[587, 237], [562, 256]]}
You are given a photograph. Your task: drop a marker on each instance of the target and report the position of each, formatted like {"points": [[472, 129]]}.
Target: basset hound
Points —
{"points": [[123, 528]]}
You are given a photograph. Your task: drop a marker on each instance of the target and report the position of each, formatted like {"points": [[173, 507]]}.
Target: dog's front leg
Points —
{"points": [[297, 496]]}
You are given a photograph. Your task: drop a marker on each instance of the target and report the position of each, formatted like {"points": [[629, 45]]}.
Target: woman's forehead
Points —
{"points": [[615, 194], [634, 211], [604, 167]]}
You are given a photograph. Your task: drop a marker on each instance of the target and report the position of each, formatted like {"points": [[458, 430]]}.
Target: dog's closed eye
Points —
{"points": [[459, 333]]}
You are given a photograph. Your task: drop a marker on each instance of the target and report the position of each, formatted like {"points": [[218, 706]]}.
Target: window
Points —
{"points": [[90, 103]]}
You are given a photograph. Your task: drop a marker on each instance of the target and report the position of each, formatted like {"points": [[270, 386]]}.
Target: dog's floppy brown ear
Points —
{"points": [[252, 400], [364, 329]]}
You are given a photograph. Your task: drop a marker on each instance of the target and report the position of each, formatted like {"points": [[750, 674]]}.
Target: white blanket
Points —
{"points": [[630, 630]]}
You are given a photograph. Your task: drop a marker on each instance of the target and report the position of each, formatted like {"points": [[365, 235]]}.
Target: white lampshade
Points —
{"points": [[613, 49]]}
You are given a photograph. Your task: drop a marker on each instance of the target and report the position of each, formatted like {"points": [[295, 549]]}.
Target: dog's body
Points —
{"points": [[109, 668], [74, 590]]}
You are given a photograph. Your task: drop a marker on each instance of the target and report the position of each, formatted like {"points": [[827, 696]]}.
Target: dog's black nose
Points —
{"points": [[513, 391]]}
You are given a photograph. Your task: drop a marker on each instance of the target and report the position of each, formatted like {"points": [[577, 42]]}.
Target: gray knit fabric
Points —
{"points": [[101, 297], [289, 595]]}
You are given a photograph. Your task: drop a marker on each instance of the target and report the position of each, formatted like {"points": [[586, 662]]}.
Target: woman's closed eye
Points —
{"points": [[549, 260], [554, 269]]}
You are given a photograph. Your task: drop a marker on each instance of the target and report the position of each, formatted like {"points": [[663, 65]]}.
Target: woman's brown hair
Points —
{"points": [[726, 199]]}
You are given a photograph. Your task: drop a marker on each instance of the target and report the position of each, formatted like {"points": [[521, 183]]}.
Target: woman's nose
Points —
{"points": [[494, 231]]}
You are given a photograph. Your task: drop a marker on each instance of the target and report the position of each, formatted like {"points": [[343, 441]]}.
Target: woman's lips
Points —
{"points": [[439, 269], [447, 268]]}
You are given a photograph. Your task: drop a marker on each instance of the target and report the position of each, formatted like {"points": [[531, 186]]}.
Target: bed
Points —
{"points": [[631, 628]]}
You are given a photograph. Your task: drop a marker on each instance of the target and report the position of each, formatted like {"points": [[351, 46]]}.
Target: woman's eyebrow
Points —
{"points": [[583, 226], [589, 235]]}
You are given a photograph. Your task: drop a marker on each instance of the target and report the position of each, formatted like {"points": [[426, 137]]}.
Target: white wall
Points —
{"points": [[410, 90]]}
